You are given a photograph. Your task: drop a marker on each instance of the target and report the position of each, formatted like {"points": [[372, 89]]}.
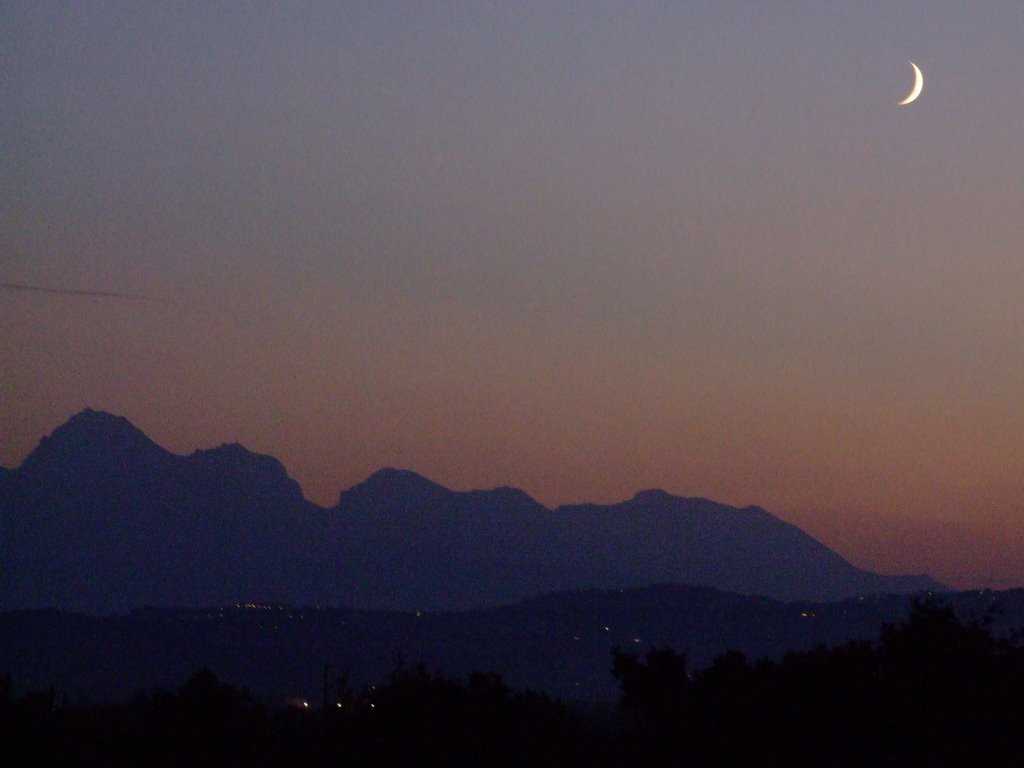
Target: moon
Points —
{"points": [[918, 85]]}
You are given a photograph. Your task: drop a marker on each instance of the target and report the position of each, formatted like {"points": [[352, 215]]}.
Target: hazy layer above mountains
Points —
{"points": [[100, 518]]}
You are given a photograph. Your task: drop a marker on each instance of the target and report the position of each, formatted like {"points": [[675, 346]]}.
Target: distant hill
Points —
{"points": [[559, 643], [100, 518], [656, 537]]}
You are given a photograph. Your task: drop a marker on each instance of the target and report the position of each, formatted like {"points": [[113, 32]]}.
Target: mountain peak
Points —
{"points": [[92, 422], [391, 477], [234, 465], [656, 497], [236, 456], [393, 483], [392, 472], [93, 437], [227, 451], [653, 495]]}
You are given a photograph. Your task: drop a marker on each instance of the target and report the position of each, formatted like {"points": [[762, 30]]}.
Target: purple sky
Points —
{"points": [[579, 248]]}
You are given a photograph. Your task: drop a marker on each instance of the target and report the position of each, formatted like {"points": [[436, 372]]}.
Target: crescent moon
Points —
{"points": [[918, 85]]}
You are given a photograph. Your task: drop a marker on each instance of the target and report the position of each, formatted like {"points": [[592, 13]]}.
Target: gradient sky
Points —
{"points": [[579, 248]]}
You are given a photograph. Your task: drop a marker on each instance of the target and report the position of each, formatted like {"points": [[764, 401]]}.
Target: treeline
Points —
{"points": [[931, 690], [416, 718]]}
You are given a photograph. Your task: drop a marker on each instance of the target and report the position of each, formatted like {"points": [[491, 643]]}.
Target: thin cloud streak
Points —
{"points": [[74, 292]]}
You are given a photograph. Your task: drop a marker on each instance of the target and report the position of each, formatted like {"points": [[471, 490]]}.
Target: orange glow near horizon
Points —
{"points": [[540, 246]]}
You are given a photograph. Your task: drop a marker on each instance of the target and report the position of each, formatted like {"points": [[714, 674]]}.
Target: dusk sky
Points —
{"points": [[578, 248]]}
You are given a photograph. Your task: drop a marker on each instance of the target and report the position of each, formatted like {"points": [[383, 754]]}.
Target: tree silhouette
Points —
{"points": [[933, 690]]}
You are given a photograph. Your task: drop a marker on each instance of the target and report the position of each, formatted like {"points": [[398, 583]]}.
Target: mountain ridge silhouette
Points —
{"points": [[100, 518]]}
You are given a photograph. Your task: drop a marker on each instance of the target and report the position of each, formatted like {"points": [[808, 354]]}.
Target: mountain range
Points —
{"points": [[99, 518]]}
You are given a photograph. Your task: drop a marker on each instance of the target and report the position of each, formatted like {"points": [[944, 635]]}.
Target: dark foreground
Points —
{"points": [[932, 690], [560, 644]]}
